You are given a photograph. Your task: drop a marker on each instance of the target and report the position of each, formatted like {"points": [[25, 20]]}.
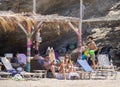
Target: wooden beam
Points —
{"points": [[74, 28], [80, 31], [37, 28], [21, 26], [34, 7]]}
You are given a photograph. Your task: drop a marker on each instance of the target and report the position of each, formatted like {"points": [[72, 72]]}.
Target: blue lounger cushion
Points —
{"points": [[85, 65]]}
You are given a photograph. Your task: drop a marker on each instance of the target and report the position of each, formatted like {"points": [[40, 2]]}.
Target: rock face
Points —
{"points": [[92, 8]]}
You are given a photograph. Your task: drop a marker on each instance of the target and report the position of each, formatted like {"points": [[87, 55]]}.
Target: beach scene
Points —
{"points": [[59, 43]]}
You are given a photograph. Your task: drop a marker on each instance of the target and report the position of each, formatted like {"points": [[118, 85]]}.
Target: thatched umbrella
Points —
{"points": [[11, 21], [30, 24]]}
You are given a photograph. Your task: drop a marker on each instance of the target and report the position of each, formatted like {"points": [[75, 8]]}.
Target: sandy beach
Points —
{"points": [[62, 83]]}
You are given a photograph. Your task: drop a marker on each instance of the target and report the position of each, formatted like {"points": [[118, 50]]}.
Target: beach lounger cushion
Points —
{"points": [[85, 65]]}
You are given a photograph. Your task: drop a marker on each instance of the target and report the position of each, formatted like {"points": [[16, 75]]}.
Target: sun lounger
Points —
{"points": [[9, 67], [85, 65], [105, 66], [4, 75], [41, 73], [7, 64], [69, 76], [103, 60], [27, 75], [87, 70]]}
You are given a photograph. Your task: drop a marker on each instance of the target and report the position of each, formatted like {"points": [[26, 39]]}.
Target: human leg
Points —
{"points": [[62, 70], [93, 61], [52, 68]]}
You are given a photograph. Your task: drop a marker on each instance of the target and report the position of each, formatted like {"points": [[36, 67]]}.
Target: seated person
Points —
{"points": [[62, 69], [49, 65], [38, 57], [21, 59], [66, 66], [37, 62], [40, 62]]}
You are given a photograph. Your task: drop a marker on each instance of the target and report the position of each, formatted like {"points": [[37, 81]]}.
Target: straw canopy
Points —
{"points": [[55, 18], [10, 21]]}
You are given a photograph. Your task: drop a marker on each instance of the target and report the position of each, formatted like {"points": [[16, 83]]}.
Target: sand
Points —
{"points": [[62, 83]]}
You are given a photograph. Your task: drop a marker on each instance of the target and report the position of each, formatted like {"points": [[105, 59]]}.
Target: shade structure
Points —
{"points": [[30, 23]]}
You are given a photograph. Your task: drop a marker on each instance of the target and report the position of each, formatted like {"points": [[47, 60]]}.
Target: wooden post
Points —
{"points": [[28, 35], [28, 48], [80, 32], [38, 27], [28, 53], [34, 6]]}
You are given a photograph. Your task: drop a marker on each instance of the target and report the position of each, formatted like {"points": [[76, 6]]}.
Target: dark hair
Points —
{"points": [[90, 37], [47, 57]]}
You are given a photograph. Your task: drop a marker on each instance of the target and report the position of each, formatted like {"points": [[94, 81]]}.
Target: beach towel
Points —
{"points": [[52, 54]]}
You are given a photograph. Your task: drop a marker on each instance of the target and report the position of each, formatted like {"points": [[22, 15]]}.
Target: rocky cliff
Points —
{"points": [[15, 41]]}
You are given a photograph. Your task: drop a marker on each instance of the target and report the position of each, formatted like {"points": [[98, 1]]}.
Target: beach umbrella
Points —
{"points": [[30, 24]]}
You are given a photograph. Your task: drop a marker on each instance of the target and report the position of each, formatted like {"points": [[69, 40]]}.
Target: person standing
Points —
{"points": [[92, 47]]}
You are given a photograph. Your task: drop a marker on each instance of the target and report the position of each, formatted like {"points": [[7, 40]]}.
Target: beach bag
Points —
{"points": [[83, 57], [13, 72], [17, 77]]}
